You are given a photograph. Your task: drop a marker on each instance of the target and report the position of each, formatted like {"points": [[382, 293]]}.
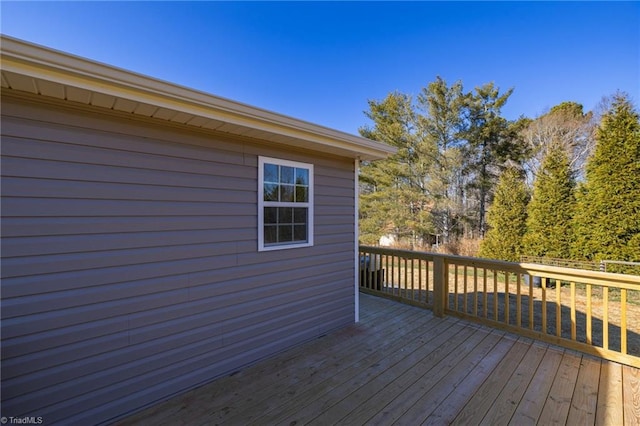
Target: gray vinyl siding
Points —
{"points": [[130, 269]]}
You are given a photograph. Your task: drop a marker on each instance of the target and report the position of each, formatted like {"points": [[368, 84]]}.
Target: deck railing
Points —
{"points": [[591, 311]]}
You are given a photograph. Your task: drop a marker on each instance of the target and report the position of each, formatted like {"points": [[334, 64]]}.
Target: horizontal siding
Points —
{"points": [[170, 355], [178, 382], [45, 169], [34, 207], [88, 155], [151, 136], [21, 187], [179, 374], [204, 269], [38, 246], [46, 226], [96, 130], [232, 324], [31, 304], [63, 338], [130, 269], [70, 262]]}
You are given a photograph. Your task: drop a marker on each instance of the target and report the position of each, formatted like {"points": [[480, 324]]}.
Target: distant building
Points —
{"points": [[387, 240]]}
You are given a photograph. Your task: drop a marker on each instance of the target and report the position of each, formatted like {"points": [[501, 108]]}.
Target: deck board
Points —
{"points": [[631, 395], [422, 354], [530, 407], [322, 368], [488, 392], [584, 403], [439, 391], [513, 390], [609, 408], [322, 397], [436, 383], [446, 412], [400, 384], [401, 365]]}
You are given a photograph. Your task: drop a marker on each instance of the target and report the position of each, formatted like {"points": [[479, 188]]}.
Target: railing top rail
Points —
{"points": [[399, 252], [568, 263], [584, 276], [621, 262]]}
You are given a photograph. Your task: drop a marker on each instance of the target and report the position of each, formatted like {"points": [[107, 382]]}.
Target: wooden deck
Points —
{"points": [[401, 365]]}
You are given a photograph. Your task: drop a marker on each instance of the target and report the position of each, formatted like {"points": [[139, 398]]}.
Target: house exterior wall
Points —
{"points": [[130, 269]]}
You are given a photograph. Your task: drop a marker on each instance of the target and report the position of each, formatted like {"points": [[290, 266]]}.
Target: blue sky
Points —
{"points": [[322, 61]]}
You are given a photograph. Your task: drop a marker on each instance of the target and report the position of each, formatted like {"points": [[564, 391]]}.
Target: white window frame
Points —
{"points": [[262, 204]]}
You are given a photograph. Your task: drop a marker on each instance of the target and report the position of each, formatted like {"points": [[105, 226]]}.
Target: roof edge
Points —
{"points": [[63, 68]]}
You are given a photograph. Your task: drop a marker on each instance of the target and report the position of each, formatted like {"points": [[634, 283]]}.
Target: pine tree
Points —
{"points": [[451, 148], [607, 223], [392, 198], [441, 122], [552, 206], [489, 145], [506, 218]]}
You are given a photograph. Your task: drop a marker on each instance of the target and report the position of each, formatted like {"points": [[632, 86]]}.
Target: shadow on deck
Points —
{"points": [[401, 365]]}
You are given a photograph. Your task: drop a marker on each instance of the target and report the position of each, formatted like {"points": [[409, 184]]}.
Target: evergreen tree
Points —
{"points": [[552, 207], [489, 145], [393, 199], [451, 148], [607, 222], [441, 123], [506, 218]]}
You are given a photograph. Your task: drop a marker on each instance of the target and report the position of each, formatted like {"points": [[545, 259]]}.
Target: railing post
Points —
{"points": [[440, 285]]}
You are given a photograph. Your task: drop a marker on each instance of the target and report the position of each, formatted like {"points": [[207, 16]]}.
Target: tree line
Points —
{"points": [[565, 184]]}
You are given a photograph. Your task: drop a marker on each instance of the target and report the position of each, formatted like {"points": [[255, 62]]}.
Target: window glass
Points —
{"points": [[285, 215], [287, 174], [270, 234], [302, 177], [270, 215], [299, 232], [271, 192], [300, 215], [286, 193], [302, 194]]}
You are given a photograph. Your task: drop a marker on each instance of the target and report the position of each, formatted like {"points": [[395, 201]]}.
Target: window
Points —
{"points": [[285, 204]]}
